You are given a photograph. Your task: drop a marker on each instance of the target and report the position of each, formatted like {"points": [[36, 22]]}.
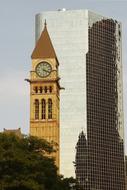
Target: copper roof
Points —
{"points": [[44, 47]]}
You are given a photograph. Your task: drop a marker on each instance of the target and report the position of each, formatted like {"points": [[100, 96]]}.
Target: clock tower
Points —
{"points": [[44, 93]]}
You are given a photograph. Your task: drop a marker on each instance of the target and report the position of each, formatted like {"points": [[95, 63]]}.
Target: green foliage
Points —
{"points": [[25, 166]]}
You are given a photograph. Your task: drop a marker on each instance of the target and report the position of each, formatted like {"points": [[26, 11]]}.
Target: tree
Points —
{"points": [[25, 166]]}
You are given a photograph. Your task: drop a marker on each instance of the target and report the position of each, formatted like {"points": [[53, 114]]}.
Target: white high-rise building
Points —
{"points": [[88, 47]]}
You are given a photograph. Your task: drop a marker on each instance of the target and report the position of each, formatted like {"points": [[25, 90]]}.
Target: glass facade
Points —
{"points": [[88, 47], [81, 161], [104, 127]]}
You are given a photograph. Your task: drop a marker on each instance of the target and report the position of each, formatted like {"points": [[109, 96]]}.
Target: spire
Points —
{"points": [[45, 23], [44, 47]]}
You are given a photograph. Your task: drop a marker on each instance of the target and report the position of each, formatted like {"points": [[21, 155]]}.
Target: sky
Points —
{"points": [[17, 28]]}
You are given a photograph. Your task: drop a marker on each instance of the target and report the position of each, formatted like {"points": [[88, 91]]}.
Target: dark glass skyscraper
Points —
{"points": [[81, 161], [105, 145]]}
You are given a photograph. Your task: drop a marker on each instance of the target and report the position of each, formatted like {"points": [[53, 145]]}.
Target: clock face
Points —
{"points": [[43, 69]]}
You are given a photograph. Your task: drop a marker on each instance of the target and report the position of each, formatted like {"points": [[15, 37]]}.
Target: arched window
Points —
{"points": [[50, 89], [45, 89], [43, 104], [49, 108], [36, 89], [36, 109]]}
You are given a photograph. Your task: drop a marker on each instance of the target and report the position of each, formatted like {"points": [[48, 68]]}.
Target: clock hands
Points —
{"points": [[46, 71]]}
